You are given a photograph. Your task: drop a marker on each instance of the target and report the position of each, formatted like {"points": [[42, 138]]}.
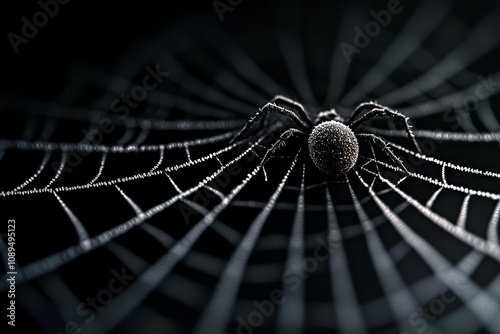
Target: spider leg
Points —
{"points": [[294, 105], [397, 116], [269, 108], [292, 132], [387, 150], [365, 106]]}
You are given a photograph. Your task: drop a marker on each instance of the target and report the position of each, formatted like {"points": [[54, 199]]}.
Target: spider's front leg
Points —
{"points": [[383, 111], [270, 108], [385, 147], [294, 105], [365, 106], [292, 132]]}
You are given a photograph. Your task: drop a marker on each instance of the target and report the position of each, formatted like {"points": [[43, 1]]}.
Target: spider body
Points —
{"points": [[333, 147], [333, 142]]}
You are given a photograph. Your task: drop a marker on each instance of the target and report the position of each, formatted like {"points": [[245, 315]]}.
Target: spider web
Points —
{"points": [[191, 217]]}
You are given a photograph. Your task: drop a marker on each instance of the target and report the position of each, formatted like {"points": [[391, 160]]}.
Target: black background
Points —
{"points": [[98, 33]]}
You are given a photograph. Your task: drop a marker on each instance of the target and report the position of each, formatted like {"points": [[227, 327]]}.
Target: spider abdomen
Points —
{"points": [[333, 147]]}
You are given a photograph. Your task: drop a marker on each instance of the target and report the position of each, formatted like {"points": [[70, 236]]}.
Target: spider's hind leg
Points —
{"points": [[385, 147]]}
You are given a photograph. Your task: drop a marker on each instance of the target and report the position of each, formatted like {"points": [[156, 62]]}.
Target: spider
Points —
{"points": [[333, 144]]}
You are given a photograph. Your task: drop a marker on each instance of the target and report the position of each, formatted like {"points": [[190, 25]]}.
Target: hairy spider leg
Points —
{"points": [[293, 105], [269, 108], [365, 106], [385, 147], [281, 142], [391, 113]]}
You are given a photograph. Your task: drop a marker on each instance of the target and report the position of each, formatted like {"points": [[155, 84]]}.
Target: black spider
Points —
{"points": [[333, 145]]}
